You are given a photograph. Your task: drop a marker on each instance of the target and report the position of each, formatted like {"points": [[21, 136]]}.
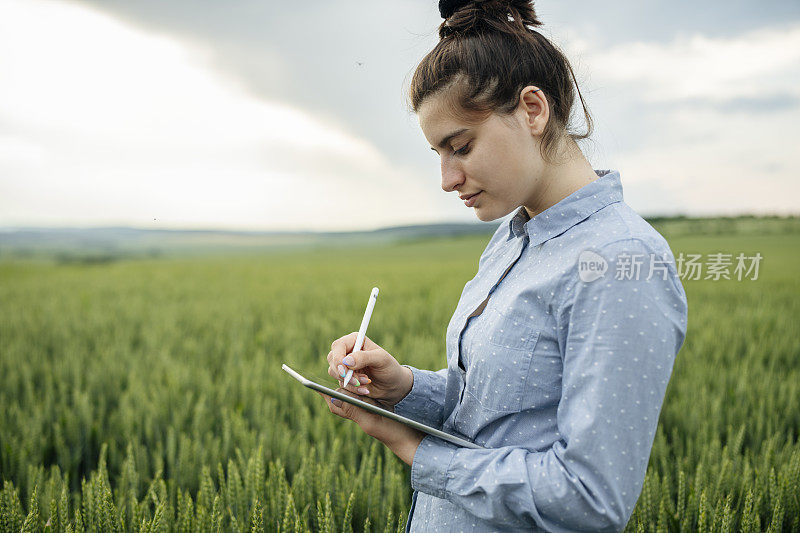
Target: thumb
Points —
{"points": [[369, 344], [363, 358]]}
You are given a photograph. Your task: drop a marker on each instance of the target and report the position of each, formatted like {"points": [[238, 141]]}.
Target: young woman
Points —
{"points": [[560, 349]]}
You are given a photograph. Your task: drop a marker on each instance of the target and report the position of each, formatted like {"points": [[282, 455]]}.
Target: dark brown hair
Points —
{"points": [[487, 53]]}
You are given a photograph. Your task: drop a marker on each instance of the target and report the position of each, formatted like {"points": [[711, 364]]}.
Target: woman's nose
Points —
{"points": [[452, 175]]}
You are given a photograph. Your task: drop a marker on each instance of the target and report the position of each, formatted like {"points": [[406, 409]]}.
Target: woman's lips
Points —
{"points": [[469, 202]]}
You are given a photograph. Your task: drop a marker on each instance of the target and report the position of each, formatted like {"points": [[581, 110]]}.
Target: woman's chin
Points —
{"points": [[485, 215]]}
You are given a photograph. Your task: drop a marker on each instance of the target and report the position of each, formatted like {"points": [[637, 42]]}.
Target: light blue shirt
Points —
{"points": [[564, 373]]}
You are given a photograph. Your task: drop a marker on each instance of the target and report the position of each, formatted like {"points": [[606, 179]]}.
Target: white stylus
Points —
{"points": [[362, 331]]}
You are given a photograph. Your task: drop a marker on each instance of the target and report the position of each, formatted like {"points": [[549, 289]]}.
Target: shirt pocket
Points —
{"points": [[498, 371]]}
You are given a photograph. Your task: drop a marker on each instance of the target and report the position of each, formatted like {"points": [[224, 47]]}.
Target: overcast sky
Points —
{"points": [[273, 115]]}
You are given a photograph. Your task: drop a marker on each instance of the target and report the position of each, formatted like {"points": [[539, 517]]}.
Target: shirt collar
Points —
{"points": [[558, 218]]}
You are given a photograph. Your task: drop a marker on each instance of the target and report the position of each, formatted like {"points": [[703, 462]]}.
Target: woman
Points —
{"points": [[561, 347]]}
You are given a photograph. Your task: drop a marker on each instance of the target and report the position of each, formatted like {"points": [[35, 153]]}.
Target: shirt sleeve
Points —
{"points": [[619, 339], [425, 401]]}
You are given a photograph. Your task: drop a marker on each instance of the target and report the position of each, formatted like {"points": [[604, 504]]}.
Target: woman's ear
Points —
{"points": [[534, 105]]}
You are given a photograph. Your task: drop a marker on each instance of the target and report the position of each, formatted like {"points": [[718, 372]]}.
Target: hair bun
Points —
{"points": [[476, 16], [448, 7]]}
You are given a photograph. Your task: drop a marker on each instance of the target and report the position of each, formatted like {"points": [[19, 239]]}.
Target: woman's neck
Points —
{"points": [[559, 181]]}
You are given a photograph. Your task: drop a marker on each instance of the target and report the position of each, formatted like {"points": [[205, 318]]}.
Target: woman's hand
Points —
{"points": [[401, 439], [379, 374]]}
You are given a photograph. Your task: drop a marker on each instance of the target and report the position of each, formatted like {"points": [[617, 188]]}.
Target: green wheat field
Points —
{"points": [[147, 394]]}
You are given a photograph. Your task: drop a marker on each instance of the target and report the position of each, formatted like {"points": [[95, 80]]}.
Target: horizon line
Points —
{"points": [[9, 229]]}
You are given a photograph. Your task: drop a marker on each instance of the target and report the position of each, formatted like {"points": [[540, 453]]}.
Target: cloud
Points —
{"points": [[764, 61], [748, 104], [103, 123], [700, 125], [230, 118]]}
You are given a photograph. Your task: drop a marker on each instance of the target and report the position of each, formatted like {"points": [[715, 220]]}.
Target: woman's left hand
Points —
{"points": [[401, 439]]}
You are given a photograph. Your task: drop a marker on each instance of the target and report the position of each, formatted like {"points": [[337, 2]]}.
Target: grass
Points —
{"points": [[147, 394]]}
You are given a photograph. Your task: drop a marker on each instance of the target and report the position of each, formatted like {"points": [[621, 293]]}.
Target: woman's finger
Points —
{"points": [[359, 391], [344, 409], [334, 404], [355, 379]]}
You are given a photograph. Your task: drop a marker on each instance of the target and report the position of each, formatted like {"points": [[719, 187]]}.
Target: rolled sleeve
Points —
{"points": [[431, 464], [425, 401]]}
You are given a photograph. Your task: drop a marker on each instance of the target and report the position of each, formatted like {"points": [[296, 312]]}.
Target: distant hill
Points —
{"points": [[104, 244]]}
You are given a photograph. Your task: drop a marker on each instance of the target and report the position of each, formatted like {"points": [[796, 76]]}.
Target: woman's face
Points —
{"points": [[498, 158]]}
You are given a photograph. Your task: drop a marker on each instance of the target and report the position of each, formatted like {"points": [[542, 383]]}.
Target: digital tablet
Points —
{"points": [[383, 412]]}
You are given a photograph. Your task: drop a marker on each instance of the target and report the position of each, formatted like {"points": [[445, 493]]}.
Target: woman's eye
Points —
{"points": [[463, 150]]}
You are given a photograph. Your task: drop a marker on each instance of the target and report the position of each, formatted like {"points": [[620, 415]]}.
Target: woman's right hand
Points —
{"points": [[387, 381]]}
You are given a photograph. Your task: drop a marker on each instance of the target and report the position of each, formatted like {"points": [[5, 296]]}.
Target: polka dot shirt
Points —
{"points": [[560, 376]]}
